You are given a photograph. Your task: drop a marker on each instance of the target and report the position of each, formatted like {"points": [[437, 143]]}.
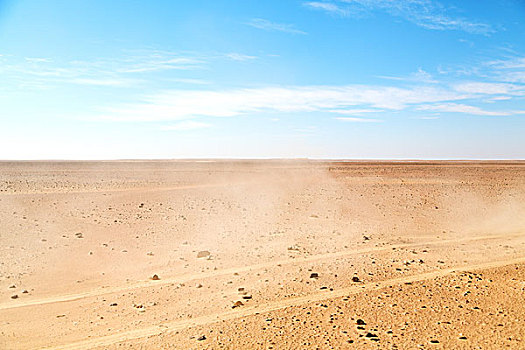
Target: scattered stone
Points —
{"points": [[366, 238], [59, 316], [371, 335], [14, 296], [237, 304], [149, 253], [198, 285], [24, 291], [247, 297], [203, 254], [433, 341], [240, 289], [360, 322], [356, 279], [141, 205], [201, 338], [155, 278], [294, 248], [79, 235], [463, 338], [314, 275], [12, 286], [114, 304]]}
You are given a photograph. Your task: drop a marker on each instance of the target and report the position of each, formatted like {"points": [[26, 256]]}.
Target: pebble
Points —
{"points": [[201, 338], [14, 296], [237, 304], [360, 322], [314, 275], [203, 254], [355, 279], [155, 278]]}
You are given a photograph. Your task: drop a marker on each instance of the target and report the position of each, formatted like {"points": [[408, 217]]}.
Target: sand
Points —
{"points": [[262, 255]]}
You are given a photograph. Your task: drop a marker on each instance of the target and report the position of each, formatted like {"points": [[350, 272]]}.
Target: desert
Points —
{"points": [[262, 254]]}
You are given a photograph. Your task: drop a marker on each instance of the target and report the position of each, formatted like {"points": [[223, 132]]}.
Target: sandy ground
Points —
{"points": [[262, 254]]}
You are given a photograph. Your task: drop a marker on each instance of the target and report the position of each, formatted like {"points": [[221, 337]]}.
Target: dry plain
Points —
{"points": [[262, 254]]}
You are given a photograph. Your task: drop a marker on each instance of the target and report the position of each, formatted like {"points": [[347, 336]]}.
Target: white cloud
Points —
{"points": [[264, 24], [424, 13], [488, 88], [420, 76], [240, 57], [186, 104], [328, 7], [101, 82], [462, 108], [186, 125], [358, 120], [354, 111]]}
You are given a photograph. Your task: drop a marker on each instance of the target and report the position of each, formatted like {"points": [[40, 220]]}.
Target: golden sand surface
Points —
{"points": [[267, 254]]}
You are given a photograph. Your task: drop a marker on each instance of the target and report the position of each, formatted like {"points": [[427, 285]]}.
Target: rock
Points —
{"points": [[198, 285], [79, 235], [24, 291], [433, 341], [12, 286], [141, 205], [14, 296], [201, 338], [203, 254], [371, 335], [366, 238], [356, 279], [237, 304], [314, 275], [360, 322], [155, 278], [114, 304], [247, 297], [149, 253]]}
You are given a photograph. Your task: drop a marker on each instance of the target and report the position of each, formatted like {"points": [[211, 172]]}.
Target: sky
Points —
{"points": [[357, 79]]}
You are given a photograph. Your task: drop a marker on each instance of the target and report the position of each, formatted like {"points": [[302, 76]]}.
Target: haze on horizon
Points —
{"points": [[361, 79]]}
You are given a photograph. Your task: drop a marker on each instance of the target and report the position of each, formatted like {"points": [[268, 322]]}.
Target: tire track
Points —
{"points": [[131, 189], [273, 306], [189, 277]]}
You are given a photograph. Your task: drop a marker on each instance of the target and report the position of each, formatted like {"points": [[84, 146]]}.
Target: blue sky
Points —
{"points": [[259, 79]]}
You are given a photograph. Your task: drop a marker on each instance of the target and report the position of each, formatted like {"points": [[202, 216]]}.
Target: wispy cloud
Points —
{"points": [[489, 88], [420, 76], [264, 24], [186, 125], [462, 108], [329, 7], [354, 111], [240, 57], [358, 120], [424, 13], [184, 104]]}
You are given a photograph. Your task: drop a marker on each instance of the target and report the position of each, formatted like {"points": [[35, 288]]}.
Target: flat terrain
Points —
{"points": [[262, 254]]}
